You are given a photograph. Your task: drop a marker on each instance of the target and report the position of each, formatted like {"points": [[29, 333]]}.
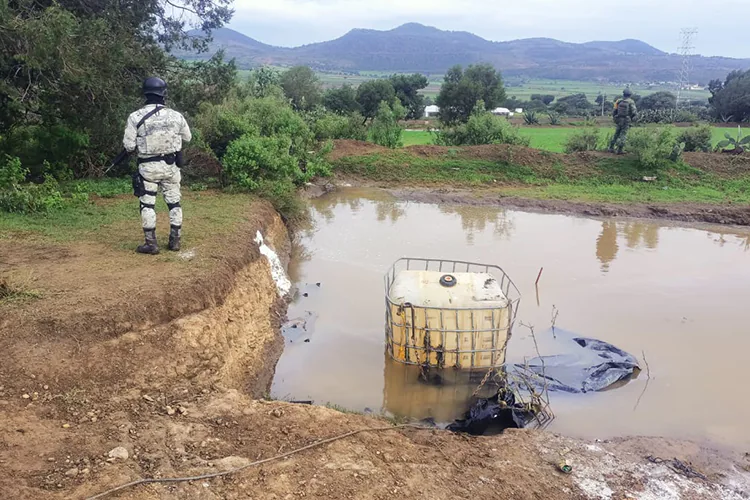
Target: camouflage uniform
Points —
{"points": [[162, 134], [624, 115]]}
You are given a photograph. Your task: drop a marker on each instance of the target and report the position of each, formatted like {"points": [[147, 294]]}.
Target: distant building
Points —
{"points": [[518, 111], [431, 111], [502, 112]]}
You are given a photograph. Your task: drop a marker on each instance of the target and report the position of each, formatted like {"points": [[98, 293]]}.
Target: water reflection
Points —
{"points": [[389, 210], [326, 207], [637, 235], [606, 245], [641, 234], [475, 220], [721, 239]]}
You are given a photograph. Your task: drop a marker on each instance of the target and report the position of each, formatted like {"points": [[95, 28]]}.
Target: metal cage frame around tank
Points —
{"points": [[448, 266]]}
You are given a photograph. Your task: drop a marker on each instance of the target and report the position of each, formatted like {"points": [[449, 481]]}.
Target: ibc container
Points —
{"points": [[445, 313]]}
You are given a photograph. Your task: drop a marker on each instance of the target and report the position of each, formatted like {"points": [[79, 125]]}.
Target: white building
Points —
{"points": [[431, 111], [502, 112]]}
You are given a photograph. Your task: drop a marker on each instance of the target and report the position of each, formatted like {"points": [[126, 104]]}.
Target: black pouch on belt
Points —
{"points": [[138, 188]]}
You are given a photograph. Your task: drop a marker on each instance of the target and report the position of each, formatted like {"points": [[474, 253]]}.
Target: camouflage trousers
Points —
{"points": [[157, 174], [621, 135]]}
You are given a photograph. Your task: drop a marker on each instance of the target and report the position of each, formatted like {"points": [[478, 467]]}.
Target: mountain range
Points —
{"points": [[416, 48]]}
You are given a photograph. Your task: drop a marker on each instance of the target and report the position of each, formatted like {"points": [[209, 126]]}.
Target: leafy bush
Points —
{"points": [[531, 118], [252, 158], [583, 140], [685, 116], [12, 173], [482, 128], [654, 147], [696, 139], [31, 198], [47, 149], [386, 130], [657, 116], [333, 126]]}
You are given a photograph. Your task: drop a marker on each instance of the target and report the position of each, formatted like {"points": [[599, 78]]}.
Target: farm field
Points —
{"points": [[547, 138], [514, 87]]}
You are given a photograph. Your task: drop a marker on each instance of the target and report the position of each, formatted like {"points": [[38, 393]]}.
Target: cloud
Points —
{"points": [[296, 22]]}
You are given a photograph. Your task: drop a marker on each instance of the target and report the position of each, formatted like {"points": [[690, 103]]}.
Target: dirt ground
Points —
{"points": [[109, 377]]}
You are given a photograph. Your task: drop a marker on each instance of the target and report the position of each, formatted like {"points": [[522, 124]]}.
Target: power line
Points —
{"points": [[686, 52]]}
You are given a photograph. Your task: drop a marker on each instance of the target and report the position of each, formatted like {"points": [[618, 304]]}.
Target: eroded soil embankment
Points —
{"points": [[70, 392]]}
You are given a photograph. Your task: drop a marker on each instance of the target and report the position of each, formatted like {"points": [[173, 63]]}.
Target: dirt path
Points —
{"points": [[88, 403]]}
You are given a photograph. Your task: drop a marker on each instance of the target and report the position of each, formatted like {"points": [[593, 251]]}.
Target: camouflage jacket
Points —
{"points": [[631, 112], [162, 133]]}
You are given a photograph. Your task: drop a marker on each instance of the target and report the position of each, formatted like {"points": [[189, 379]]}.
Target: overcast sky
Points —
{"points": [[722, 24]]}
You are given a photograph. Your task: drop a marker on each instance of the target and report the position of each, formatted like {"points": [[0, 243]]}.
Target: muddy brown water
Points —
{"points": [[681, 296]]}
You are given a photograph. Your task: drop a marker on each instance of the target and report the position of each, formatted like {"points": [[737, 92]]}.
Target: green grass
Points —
{"points": [[416, 137], [608, 180], [116, 219], [553, 138]]}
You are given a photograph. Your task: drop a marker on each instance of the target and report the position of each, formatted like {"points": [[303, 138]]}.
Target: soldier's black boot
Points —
{"points": [[174, 238], [149, 247]]}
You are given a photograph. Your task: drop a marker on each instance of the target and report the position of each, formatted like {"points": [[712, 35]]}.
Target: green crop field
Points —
{"points": [[552, 138]]}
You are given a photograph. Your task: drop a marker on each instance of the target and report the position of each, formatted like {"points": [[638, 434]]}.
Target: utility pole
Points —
{"points": [[686, 52]]}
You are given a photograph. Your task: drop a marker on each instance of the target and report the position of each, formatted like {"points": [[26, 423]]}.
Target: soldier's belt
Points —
{"points": [[169, 159]]}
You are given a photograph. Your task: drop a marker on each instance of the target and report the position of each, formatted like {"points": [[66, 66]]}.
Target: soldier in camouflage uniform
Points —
{"points": [[624, 114], [158, 132]]}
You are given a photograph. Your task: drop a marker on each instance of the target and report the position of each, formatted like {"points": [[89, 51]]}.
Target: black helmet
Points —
{"points": [[155, 86], [627, 92]]}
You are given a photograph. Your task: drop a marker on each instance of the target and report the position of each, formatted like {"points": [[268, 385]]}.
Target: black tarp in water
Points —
{"points": [[498, 412], [585, 365]]}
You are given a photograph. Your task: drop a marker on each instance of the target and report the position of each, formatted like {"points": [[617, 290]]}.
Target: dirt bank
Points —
{"points": [[179, 390]]}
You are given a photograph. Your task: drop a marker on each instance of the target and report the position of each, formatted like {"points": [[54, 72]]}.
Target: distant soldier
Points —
{"points": [[158, 132], [624, 114]]}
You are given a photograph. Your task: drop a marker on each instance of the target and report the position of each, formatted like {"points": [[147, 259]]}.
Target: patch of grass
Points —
{"points": [[416, 138], [117, 220], [402, 166], [553, 139], [11, 291], [103, 188]]}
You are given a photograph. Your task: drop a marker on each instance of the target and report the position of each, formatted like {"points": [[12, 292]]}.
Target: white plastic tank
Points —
{"points": [[449, 313]]}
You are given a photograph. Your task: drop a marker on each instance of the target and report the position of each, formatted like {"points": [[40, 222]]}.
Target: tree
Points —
{"points": [[461, 91], [302, 87], [73, 71], [371, 93], [575, 104], [731, 100], [407, 89], [659, 101], [546, 99], [342, 100], [386, 130], [192, 83], [264, 81]]}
